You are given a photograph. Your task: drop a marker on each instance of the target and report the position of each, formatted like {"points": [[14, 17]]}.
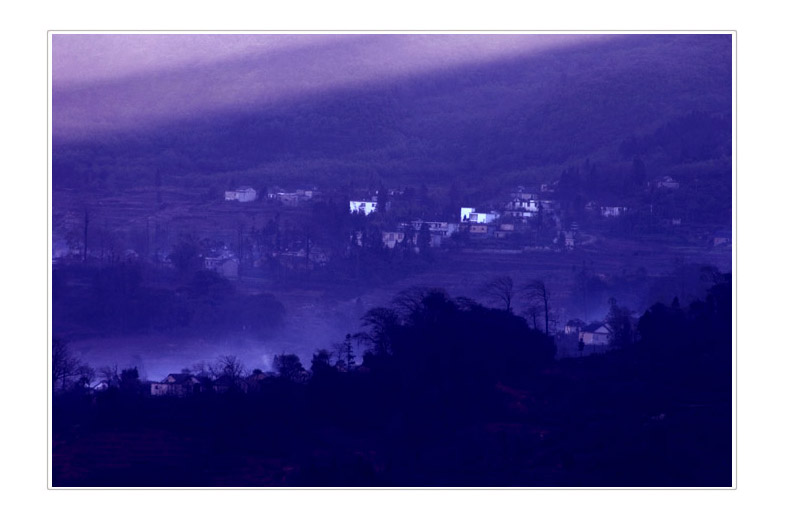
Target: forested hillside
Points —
{"points": [[513, 120]]}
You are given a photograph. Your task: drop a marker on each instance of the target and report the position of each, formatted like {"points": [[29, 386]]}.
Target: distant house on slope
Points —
{"points": [[392, 238], [223, 262], [597, 333], [666, 182], [612, 211], [470, 214], [241, 194], [362, 207]]}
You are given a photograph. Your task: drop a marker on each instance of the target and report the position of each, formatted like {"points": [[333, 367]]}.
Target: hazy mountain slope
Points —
{"points": [[496, 119]]}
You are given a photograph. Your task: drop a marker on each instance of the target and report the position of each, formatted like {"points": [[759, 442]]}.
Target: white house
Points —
{"points": [[595, 334], [362, 207], [470, 214], [241, 194]]}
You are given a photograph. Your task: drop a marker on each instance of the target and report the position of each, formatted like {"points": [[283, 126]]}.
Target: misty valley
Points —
{"points": [[514, 270]]}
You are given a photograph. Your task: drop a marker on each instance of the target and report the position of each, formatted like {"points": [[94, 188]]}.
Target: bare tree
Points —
{"points": [[229, 366], [65, 366], [500, 290], [538, 294], [533, 312], [381, 324], [109, 375], [409, 301]]}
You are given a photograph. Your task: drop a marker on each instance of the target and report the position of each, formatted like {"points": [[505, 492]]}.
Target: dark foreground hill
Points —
{"points": [[450, 393]]}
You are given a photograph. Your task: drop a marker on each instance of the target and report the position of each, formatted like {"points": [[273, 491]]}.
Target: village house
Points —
{"points": [[298, 258], [612, 212], [523, 193], [223, 262], [253, 382], [292, 198], [180, 385], [478, 229], [223, 384], [597, 333], [470, 215], [392, 238], [362, 207], [437, 228], [666, 182], [531, 206], [289, 199], [241, 194], [504, 230]]}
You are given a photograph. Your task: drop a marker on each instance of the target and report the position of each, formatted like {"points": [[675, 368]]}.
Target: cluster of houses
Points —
{"points": [[366, 207], [525, 203], [276, 194], [292, 198], [184, 384], [438, 231]]}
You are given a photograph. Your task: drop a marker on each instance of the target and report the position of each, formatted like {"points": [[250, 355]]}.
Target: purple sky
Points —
{"points": [[108, 82]]}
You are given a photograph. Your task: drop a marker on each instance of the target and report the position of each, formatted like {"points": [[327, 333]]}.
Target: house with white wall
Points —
{"points": [[362, 206], [595, 334], [470, 214], [241, 194]]}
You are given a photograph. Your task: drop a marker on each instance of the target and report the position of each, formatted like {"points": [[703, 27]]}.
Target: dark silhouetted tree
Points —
{"points": [[424, 239], [129, 381], [500, 291], [65, 366], [382, 200], [289, 367], [538, 294], [230, 368], [619, 319], [186, 254], [382, 323], [321, 364]]}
